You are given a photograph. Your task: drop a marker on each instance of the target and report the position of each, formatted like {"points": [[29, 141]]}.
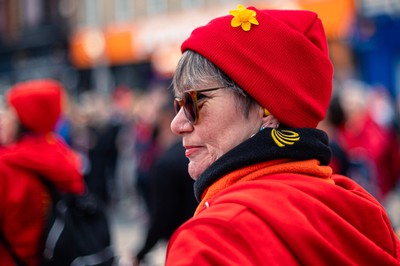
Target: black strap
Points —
{"points": [[17, 260]]}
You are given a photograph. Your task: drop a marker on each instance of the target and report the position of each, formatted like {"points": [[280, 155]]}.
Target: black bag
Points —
{"points": [[77, 233]]}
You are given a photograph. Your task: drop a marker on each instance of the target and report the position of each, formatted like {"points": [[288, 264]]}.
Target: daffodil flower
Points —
{"points": [[243, 17]]}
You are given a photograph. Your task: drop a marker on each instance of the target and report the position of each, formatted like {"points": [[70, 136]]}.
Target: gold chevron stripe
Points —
{"points": [[284, 137]]}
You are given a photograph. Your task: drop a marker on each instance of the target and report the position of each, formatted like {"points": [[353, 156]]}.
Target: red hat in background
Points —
{"points": [[282, 62], [38, 103]]}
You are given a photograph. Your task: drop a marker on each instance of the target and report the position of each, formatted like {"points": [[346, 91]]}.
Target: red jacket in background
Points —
{"points": [[24, 201]]}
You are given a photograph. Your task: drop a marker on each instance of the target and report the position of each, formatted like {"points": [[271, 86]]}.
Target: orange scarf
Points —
{"points": [[308, 167]]}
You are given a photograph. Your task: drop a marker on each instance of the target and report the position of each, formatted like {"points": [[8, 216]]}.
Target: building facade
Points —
{"points": [[100, 44]]}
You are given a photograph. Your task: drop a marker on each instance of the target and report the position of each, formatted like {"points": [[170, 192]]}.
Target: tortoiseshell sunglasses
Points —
{"points": [[189, 102]]}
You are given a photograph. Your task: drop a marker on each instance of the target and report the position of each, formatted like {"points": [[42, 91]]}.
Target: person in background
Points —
{"points": [[32, 151], [334, 119], [102, 153], [170, 186], [146, 134], [251, 88], [369, 138]]}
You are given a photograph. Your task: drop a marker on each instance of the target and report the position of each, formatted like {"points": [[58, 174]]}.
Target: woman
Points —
{"points": [[31, 152], [251, 88]]}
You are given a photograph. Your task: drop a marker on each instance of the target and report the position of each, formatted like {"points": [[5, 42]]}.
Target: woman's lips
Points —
{"points": [[189, 150]]}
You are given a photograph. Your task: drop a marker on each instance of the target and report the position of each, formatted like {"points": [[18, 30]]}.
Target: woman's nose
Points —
{"points": [[180, 124]]}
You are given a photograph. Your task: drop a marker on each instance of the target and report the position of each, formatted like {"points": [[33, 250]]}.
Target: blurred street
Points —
{"points": [[128, 223]]}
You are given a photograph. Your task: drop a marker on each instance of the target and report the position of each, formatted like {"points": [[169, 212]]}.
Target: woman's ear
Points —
{"points": [[270, 121]]}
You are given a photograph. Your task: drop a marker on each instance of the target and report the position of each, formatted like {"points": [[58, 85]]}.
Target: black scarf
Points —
{"points": [[311, 144]]}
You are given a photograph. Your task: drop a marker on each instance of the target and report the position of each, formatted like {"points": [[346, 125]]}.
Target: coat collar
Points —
{"points": [[268, 145]]}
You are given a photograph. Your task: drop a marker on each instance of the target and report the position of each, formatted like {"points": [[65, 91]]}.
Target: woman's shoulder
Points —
{"points": [[284, 197], [5, 152]]}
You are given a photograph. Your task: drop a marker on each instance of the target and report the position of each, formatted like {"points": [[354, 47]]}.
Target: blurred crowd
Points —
{"points": [[131, 158], [116, 135]]}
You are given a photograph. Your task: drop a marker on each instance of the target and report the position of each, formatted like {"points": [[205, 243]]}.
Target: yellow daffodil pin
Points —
{"points": [[243, 17]]}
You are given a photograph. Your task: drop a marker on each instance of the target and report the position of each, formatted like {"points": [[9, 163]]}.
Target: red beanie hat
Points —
{"points": [[38, 103], [279, 57]]}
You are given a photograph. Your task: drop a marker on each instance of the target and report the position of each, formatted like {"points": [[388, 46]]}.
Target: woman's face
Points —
{"points": [[220, 127], [9, 124]]}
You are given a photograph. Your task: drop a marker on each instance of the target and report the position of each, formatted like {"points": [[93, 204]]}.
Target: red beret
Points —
{"points": [[282, 62], [37, 102]]}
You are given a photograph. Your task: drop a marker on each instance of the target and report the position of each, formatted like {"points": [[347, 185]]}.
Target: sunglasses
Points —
{"points": [[189, 103]]}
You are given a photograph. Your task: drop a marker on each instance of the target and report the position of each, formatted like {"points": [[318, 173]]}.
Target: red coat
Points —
{"points": [[285, 213], [377, 147], [23, 199]]}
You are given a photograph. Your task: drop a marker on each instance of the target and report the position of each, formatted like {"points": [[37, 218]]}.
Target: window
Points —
{"points": [[91, 14], [192, 3], [123, 10], [157, 6]]}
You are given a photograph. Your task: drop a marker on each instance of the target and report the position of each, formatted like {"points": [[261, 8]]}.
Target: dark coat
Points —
{"points": [[172, 196]]}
